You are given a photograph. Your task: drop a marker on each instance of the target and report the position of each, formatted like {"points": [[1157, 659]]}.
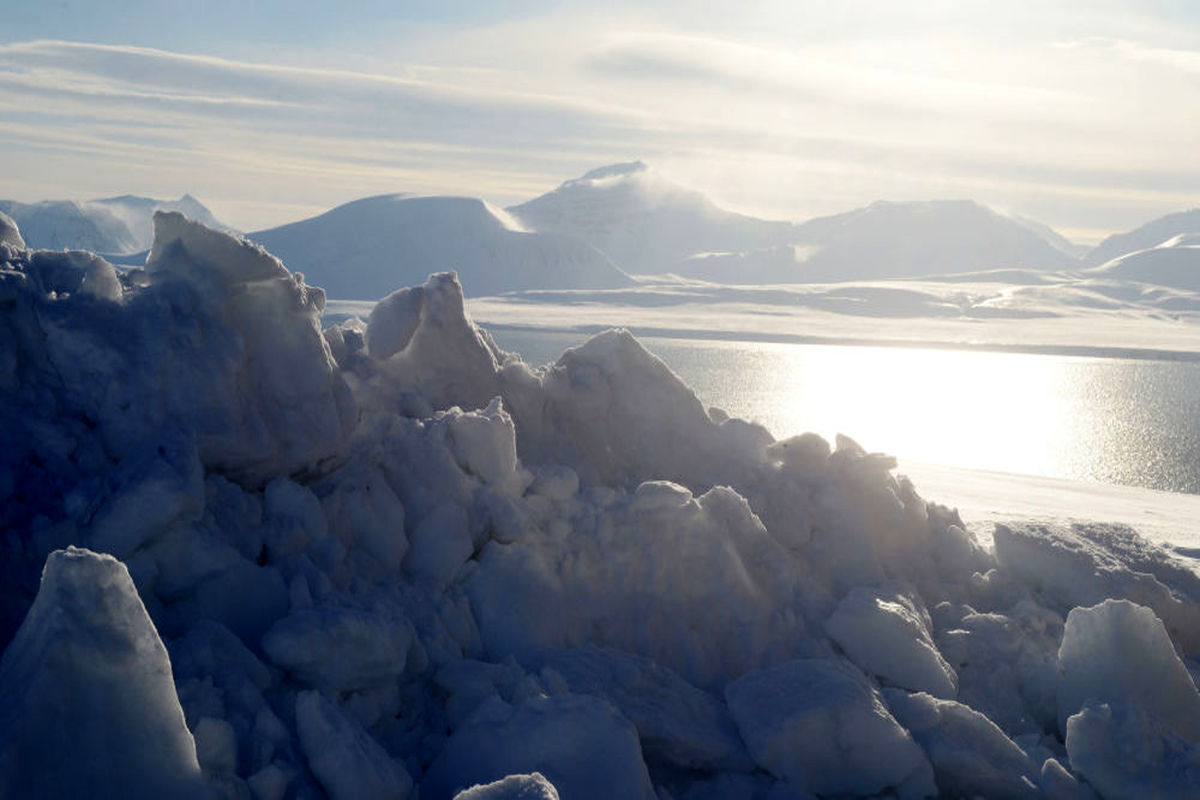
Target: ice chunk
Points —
{"points": [[676, 722], [887, 633], [433, 348], [364, 512], [393, 321], [971, 756], [1119, 652], [820, 725], [440, 544], [216, 746], [1007, 665], [626, 578], [9, 234], [514, 787], [484, 444], [1126, 751], [581, 744], [349, 764], [184, 246], [158, 484], [336, 649], [87, 701]]}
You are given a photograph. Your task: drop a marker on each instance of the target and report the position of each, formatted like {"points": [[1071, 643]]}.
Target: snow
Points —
{"points": [[390, 559], [367, 248]]}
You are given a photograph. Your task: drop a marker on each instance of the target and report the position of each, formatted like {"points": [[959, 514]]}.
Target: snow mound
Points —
{"points": [[367, 248], [87, 702], [389, 555]]}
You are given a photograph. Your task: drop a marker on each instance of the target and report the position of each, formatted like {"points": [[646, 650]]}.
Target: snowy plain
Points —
{"points": [[387, 558]]}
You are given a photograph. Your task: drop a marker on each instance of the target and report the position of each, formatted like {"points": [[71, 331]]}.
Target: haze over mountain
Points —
{"points": [[370, 247], [644, 222], [112, 225], [1152, 234]]}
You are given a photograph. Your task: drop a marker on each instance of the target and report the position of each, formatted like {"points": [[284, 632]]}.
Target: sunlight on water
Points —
{"points": [[1112, 420]]}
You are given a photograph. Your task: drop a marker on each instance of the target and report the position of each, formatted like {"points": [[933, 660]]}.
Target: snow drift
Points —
{"points": [[390, 557]]}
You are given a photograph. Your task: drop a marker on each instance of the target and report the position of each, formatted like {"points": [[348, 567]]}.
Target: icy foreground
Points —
{"points": [[390, 560]]}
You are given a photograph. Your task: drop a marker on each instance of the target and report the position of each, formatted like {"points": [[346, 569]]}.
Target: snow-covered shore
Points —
{"points": [[388, 558]]}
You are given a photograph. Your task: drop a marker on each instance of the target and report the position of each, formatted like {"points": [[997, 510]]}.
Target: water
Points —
{"points": [[1130, 422]]}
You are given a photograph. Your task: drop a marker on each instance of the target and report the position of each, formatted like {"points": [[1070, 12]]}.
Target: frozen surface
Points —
{"points": [[390, 555]]}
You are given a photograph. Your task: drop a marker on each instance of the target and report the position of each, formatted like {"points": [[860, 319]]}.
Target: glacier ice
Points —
{"points": [[389, 555]]}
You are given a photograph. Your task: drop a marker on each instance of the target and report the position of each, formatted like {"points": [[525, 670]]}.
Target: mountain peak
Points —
{"points": [[613, 171]]}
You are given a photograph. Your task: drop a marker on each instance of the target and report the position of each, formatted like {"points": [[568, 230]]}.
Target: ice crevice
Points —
{"points": [[243, 556]]}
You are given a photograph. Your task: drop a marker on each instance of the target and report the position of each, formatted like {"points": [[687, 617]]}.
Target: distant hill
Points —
{"points": [[1147, 236], [1174, 263], [365, 249], [891, 240], [112, 225], [644, 222]]}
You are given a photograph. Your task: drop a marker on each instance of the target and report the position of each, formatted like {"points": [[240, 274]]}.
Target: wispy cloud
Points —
{"points": [[780, 108]]}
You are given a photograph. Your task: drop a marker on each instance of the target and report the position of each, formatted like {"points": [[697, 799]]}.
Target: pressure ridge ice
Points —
{"points": [[388, 559]]}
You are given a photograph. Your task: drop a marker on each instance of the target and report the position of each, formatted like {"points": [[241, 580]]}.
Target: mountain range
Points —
{"points": [[370, 247], [111, 225], [623, 220]]}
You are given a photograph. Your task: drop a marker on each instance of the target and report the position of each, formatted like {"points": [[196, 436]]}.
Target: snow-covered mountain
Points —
{"points": [[367, 248], [890, 240], [1152, 234], [649, 225], [1174, 263], [114, 225], [644, 222]]}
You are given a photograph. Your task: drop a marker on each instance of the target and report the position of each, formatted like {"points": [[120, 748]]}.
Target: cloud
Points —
{"points": [[781, 108]]}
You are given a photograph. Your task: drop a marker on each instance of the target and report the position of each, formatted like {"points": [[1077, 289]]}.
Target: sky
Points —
{"points": [[1079, 114]]}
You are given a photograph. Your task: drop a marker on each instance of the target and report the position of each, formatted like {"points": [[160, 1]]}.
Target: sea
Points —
{"points": [[1133, 422]]}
